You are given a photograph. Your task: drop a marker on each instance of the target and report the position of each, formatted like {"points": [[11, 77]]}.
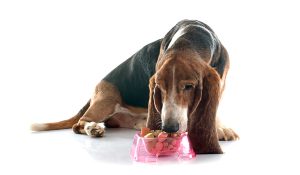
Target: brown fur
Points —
{"points": [[202, 104], [202, 122], [153, 120], [103, 106], [192, 68]]}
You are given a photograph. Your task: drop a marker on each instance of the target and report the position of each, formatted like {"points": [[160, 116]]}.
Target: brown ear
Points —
{"points": [[197, 98], [154, 106], [202, 129], [157, 99]]}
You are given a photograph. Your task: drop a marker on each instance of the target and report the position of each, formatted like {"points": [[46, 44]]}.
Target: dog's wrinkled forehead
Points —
{"points": [[174, 71]]}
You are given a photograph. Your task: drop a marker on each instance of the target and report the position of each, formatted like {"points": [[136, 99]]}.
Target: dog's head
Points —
{"points": [[178, 89]]}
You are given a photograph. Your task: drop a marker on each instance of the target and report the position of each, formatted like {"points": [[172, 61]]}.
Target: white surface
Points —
{"points": [[62, 151], [53, 53]]}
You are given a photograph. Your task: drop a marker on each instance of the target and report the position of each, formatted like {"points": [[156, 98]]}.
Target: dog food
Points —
{"points": [[160, 142], [149, 145]]}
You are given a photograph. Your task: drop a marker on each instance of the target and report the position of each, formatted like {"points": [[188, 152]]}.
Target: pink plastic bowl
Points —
{"points": [[150, 149]]}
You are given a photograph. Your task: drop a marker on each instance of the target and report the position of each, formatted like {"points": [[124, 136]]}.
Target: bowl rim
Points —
{"points": [[138, 134]]}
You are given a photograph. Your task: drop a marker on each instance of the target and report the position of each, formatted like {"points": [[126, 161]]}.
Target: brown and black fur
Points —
{"points": [[130, 95]]}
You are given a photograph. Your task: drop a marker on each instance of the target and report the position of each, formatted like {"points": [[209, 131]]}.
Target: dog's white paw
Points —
{"points": [[94, 129], [226, 134]]}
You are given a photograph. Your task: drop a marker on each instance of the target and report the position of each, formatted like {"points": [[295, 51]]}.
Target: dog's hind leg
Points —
{"points": [[102, 107]]}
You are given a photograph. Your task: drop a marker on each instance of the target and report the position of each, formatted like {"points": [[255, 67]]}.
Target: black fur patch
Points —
{"points": [[132, 76]]}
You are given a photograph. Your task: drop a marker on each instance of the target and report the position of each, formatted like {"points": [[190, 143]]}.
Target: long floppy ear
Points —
{"points": [[197, 98], [157, 99], [154, 106], [201, 124]]}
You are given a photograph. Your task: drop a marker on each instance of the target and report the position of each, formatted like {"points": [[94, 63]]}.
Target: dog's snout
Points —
{"points": [[171, 127]]}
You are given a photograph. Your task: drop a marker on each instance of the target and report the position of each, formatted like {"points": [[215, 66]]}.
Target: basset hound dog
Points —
{"points": [[173, 84]]}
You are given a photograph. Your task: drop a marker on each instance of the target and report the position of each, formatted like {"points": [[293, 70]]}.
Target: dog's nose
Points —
{"points": [[171, 127]]}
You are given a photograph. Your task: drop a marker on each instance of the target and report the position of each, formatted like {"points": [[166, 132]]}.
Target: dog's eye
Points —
{"points": [[188, 87]]}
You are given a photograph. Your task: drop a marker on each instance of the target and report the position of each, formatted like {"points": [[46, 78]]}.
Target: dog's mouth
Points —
{"points": [[182, 127]]}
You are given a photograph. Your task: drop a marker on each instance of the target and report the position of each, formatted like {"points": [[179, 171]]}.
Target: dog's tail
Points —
{"points": [[65, 124]]}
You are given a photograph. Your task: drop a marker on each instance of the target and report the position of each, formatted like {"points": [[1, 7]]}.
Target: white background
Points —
{"points": [[53, 53]]}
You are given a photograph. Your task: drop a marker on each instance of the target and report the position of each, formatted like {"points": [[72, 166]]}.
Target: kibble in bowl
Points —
{"points": [[157, 142]]}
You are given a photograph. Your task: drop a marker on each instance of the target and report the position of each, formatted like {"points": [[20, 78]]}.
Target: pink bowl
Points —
{"points": [[150, 149]]}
